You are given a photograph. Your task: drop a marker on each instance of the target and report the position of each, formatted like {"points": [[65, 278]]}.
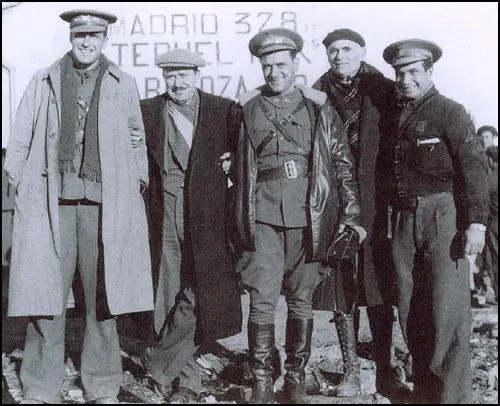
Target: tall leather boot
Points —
{"points": [[298, 351], [351, 382], [260, 345], [381, 320]]}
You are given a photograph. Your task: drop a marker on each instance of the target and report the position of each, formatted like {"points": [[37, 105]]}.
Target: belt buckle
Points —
{"points": [[290, 170]]}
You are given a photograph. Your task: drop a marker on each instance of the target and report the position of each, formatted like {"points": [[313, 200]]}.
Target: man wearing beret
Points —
{"points": [[364, 99], [79, 181], [436, 156], [188, 134], [296, 186]]}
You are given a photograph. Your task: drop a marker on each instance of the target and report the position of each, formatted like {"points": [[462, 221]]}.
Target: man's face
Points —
{"points": [[279, 70], [487, 137], [412, 79], [345, 57], [181, 83], [87, 48]]}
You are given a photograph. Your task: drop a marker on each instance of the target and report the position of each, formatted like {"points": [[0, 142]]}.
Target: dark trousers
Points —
{"points": [[278, 265], [434, 300], [42, 370], [173, 355]]}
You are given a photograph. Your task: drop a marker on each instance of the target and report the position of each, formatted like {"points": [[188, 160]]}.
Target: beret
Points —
{"points": [[343, 33], [411, 50], [88, 20], [180, 58], [274, 40]]}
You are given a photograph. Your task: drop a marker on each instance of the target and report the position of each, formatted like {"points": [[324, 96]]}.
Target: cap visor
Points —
{"points": [[408, 59]]}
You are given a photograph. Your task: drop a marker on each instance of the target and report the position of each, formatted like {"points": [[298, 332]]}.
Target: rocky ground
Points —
{"points": [[226, 367]]}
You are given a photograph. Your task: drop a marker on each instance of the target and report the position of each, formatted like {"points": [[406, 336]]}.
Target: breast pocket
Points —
{"points": [[302, 136], [434, 157]]}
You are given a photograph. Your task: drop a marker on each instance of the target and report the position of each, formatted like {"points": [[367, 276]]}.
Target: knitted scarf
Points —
{"points": [[91, 165]]}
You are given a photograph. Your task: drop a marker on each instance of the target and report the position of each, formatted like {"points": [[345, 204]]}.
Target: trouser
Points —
{"points": [[42, 370], [173, 355], [491, 255], [434, 300], [277, 263], [169, 279]]}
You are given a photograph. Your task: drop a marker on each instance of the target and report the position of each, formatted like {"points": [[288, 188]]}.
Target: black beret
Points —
{"points": [[274, 40], [343, 33], [411, 50], [88, 20]]}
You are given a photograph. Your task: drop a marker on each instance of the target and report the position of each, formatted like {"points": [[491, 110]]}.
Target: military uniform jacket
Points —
{"points": [[333, 194]]}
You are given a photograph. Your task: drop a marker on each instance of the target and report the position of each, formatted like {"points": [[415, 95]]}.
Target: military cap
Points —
{"points": [[180, 58], [411, 50], [274, 40], [88, 20], [343, 33]]}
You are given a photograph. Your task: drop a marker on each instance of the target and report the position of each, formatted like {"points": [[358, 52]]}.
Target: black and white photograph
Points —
{"points": [[250, 202]]}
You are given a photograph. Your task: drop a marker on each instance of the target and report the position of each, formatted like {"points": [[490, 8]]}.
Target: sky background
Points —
{"points": [[33, 36]]}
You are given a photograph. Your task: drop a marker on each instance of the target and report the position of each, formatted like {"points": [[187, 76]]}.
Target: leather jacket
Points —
{"points": [[333, 196]]}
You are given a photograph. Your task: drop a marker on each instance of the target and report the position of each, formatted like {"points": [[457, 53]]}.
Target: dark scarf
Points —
{"points": [[91, 165]]}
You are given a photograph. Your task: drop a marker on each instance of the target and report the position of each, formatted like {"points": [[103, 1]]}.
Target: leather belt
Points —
{"points": [[289, 170], [76, 202]]}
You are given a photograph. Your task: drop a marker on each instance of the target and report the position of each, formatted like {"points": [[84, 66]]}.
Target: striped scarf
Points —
{"points": [[347, 101]]}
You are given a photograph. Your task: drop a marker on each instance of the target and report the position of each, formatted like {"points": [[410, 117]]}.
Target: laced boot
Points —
{"points": [[260, 345], [298, 351], [351, 381]]}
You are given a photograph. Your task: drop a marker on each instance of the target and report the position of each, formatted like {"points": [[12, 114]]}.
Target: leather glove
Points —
{"points": [[474, 239], [344, 246]]}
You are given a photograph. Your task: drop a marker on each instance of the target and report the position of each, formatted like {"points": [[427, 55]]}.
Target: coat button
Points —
{"points": [[53, 100], [52, 135]]}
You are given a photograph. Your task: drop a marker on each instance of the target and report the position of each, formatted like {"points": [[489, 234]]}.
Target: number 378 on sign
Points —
{"points": [[251, 22]]}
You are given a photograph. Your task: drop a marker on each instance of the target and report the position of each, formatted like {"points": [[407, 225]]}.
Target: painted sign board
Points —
{"points": [[33, 36]]}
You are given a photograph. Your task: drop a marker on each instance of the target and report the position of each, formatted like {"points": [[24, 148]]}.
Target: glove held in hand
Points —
{"points": [[344, 246]]}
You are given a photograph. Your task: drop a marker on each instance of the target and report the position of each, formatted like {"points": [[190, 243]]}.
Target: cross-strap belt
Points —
{"points": [[280, 125]]}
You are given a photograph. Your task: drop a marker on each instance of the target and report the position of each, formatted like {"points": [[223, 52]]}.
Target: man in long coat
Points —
{"points": [[365, 100], [78, 181], [197, 295]]}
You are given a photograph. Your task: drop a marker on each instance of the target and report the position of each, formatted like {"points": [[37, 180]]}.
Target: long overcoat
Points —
{"points": [[218, 301], [36, 283], [376, 124]]}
